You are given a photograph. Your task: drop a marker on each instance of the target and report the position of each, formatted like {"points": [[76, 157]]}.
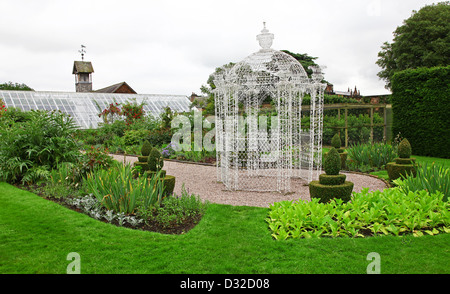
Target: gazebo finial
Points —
{"points": [[265, 39]]}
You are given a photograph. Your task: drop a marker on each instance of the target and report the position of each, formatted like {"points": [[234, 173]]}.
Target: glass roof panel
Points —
{"points": [[82, 106]]}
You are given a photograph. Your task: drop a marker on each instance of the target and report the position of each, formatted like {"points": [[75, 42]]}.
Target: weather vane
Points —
{"points": [[82, 51]]}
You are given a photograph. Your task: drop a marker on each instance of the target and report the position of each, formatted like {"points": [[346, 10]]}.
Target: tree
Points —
{"points": [[15, 86], [207, 89], [305, 60], [422, 41]]}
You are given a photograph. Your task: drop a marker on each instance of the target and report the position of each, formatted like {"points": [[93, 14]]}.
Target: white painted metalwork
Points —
{"points": [[258, 153]]}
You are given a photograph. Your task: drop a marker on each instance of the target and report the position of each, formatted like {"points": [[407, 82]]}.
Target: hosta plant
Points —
{"points": [[387, 212]]}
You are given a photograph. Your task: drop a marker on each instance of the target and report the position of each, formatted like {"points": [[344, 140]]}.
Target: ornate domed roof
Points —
{"points": [[266, 67]]}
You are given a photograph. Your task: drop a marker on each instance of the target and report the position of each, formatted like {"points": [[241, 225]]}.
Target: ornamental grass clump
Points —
{"points": [[366, 157], [332, 184], [118, 190], [404, 165], [434, 178]]}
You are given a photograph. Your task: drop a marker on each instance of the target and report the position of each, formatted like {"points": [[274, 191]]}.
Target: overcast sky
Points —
{"points": [[171, 47]]}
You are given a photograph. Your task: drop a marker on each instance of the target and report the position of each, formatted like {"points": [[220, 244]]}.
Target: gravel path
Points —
{"points": [[202, 181]]}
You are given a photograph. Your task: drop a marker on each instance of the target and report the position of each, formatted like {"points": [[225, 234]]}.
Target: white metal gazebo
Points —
{"points": [[257, 154]]}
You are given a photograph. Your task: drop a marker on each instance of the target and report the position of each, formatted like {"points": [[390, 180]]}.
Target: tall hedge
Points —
{"points": [[421, 109]]}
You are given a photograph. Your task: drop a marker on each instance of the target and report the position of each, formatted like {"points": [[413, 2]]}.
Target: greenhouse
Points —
{"points": [[84, 107]]}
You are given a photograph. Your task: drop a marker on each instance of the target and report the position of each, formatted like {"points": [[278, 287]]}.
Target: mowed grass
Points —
{"points": [[36, 235]]}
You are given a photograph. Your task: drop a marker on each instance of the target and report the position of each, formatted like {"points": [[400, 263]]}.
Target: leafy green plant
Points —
{"points": [[29, 149], [177, 209], [387, 212], [134, 137], [432, 178]]}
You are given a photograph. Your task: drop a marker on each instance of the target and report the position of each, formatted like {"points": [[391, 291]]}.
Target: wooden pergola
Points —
{"points": [[346, 106]]}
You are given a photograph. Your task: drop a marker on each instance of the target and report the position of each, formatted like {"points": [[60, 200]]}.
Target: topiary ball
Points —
{"points": [[404, 149], [146, 148], [155, 160], [332, 162], [336, 141]]}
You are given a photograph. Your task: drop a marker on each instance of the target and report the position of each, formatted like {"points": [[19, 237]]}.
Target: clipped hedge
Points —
{"points": [[151, 173], [421, 107], [326, 193], [405, 160], [169, 183], [143, 165], [332, 179], [395, 170]]}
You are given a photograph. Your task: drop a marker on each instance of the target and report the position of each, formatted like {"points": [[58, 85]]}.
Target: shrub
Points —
{"points": [[146, 148], [169, 184], [332, 162], [404, 149], [133, 111], [332, 185], [396, 170], [420, 108], [387, 212], [159, 137], [155, 160], [175, 210], [332, 180], [3, 108], [30, 149], [96, 157], [402, 165], [143, 160], [326, 192], [336, 141], [134, 137]]}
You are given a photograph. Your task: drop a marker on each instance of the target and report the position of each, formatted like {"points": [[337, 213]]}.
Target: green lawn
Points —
{"points": [[36, 235]]}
